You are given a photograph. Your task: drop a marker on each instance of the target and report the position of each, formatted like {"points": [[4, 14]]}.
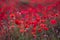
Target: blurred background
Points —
{"points": [[29, 19]]}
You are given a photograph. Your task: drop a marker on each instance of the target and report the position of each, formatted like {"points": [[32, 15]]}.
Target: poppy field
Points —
{"points": [[29, 20]]}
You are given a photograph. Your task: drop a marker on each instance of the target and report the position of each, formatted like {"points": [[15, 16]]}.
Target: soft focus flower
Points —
{"points": [[46, 29], [22, 30], [12, 15], [53, 21], [43, 25], [17, 22]]}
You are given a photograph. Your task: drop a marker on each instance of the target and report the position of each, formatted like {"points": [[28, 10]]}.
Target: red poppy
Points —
{"points": [[27, 26], [43, 25], [46, 29], [12, 15], [33, 33], [22, 30], [39, 30], [17, 22], [53, 21], [42, 21]]}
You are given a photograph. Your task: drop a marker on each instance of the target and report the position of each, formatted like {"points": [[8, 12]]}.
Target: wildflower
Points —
{"points": [[46, 29], [17, 22], [53, 21], [27, 26], [39, 30], [12, 15], [43, 25], [22, 31]]}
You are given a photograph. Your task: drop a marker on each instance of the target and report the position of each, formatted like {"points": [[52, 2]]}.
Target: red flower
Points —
{"points": [[39, 30], [22, 30], [38, 18], [17, 22], [34, 22], [46, 29], [43, 25], [27, 26], [34, 29], [12, 15], [33, 33], [53, 21], [42, 21]]}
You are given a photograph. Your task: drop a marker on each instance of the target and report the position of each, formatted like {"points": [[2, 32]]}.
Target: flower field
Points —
{"points": [[30, 20]]}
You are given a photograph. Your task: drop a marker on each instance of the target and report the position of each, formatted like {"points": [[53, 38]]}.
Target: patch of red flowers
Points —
{"points": [[33, 18]]}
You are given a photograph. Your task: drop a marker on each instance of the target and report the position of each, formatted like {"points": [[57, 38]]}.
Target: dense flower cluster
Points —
{"points": [[28, 18]]}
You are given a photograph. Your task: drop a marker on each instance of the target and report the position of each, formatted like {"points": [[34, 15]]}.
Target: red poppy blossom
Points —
{"points": [[12, 15], [38, 18], [43, 25], [17, 22], [46, 29], [53, 21], [22, 30], [42, 21], [33, 33], [40, 30], [27, 26]]}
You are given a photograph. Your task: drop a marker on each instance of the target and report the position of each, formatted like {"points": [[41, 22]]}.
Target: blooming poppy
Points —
{"points": [[12, 15], [17, 22], [53, 21], [22, 31], [46, 29]]}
